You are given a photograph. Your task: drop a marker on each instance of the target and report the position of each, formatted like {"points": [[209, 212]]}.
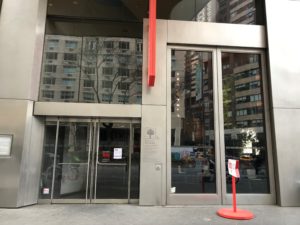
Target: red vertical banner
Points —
{"points": [[152, 43]]}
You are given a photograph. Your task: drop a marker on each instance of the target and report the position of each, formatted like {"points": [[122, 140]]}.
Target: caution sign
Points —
{"points": [[233, 168]]}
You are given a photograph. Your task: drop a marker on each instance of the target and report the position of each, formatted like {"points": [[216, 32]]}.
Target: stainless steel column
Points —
{"points": [[283, 44], [21, 42]]}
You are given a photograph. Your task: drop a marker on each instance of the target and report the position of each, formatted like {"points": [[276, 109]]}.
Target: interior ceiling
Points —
{"points": [[128, 10]]}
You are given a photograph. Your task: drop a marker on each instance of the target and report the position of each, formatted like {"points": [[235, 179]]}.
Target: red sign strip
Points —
{"points": [[152, 43]]}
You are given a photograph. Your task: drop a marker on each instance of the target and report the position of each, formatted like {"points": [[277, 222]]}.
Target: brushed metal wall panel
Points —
{"points": [[87, 110], [287, 132], [216, 34], [284, 54], [283, 43], [38, 50], [153, 156], [156, 95], [21, 44], [34, 164], [20, 172], [31, 159], [12, 121]]}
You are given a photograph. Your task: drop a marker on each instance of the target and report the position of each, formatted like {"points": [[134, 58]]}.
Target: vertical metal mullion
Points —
{"points": [[267, 123], [95, 160], [216, 108], [218, 132], [88, 164], [92, 162], [54, 161], [130, 150], [221, 164]]}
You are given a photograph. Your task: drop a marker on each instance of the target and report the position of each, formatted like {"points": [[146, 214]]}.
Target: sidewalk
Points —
{"points": [[141, 215]]}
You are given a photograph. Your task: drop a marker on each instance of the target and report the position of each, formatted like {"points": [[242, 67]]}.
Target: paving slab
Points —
{"points": [[111, 214]]}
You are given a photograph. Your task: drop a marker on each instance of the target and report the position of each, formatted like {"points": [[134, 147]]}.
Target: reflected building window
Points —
{"points": [[69, 69], [88, 73], [244, 129], [48, 94], [52, 44], [192, 123], [94, 49], [88, 83], [124, 45], [50, 68], [88, 96], [70, 57], [49, 80], [67, 95], [51, 55], [220, 11], [71, 44]]}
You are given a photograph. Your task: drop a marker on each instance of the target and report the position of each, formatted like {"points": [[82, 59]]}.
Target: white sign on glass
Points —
{"points": [[46, 191], [117, 153], [5, 145]]}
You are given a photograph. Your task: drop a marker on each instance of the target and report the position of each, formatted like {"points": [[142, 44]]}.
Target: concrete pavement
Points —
{"points": [[112, 214]]}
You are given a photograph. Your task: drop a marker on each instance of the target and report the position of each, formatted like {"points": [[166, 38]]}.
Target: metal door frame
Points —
{"points": [[93, 144], [199, 198], [93, 198], [248, 198], [73, 120], [221, 196]]}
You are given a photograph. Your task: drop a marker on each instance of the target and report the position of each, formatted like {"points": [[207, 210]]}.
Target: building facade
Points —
{"points": [[79, 123]]}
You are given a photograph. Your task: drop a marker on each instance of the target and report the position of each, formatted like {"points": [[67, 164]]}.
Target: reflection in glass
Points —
{"points": [[48, 160], [112, 163], [244, 129], [92, 69], [72, 161], [192, 123], [221, 11]]}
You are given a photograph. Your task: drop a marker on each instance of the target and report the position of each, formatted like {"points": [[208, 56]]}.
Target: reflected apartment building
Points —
{"points": [[232, 11], [91, 69], [235, 11]]}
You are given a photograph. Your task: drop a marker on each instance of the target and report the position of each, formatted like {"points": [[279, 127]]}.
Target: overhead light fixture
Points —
{"points": [[75, 2]]}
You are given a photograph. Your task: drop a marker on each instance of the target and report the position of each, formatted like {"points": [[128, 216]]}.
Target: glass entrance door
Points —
{"points": [[117, 163], [112, 161], [91, 161], [217, 107]]}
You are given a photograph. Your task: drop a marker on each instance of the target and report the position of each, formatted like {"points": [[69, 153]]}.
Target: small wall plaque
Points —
{"points": [[5, 144]]}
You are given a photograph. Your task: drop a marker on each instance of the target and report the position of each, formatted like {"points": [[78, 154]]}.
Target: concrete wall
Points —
{"points": [[283, 43], [22, 26]]}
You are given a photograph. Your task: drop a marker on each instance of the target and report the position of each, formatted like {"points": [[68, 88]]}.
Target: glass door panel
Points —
{"points": [[72, 161], [192, 123], [244, 121], [135, 163], [48, 161], [217, 110], [91, 161], [112, 161]]}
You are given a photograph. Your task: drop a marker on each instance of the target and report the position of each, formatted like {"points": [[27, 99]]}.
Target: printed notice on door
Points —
{"points": [[117, 153], [5, 145]]}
